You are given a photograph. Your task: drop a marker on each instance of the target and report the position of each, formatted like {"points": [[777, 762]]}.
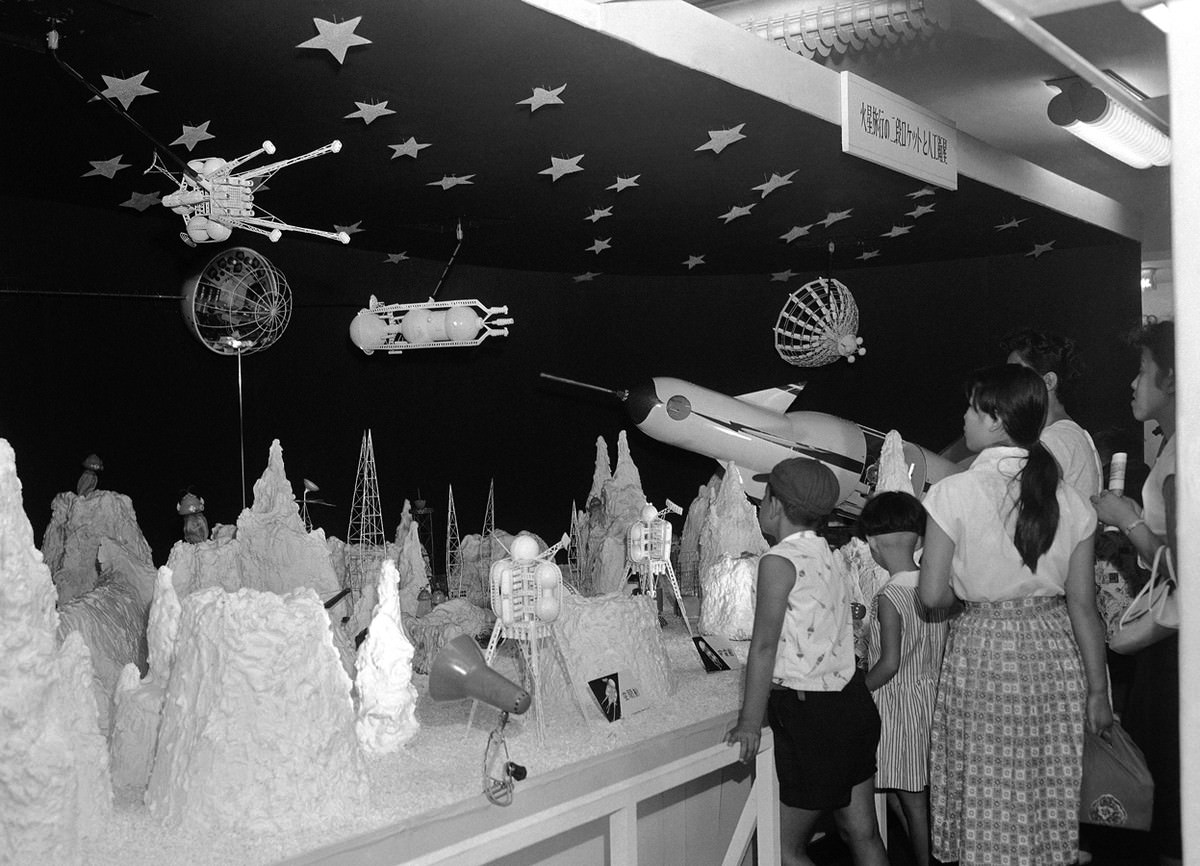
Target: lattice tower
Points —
{"points": [[454, 587], [364, 537]]}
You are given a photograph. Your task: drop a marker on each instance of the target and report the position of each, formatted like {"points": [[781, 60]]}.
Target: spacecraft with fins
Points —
{"points": [[754, 432]]}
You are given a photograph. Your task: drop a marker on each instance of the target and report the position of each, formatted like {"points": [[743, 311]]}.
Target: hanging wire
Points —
{"points": [[459, 234], [241, 425]]}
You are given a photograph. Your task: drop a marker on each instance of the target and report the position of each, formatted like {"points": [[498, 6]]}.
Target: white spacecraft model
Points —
{"points": [[754, 432], [217, 199], [648, 549], [431, 324]]}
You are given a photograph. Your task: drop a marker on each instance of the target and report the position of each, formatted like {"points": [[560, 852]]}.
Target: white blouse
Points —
{"points": [[977, 510]]}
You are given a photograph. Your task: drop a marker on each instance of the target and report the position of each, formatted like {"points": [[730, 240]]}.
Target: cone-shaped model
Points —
{"points": [[459, 671]]}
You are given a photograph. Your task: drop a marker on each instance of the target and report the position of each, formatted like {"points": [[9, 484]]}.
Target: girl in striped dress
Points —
{"points": [[1024, 667], [905, 652]]}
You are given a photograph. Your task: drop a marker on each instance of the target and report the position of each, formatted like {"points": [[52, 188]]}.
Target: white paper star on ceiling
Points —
{"points": [[396, 258], [774, 183], [693, 261], [1011, 224], [542, 96], [796, 232], [867, 254], [409, 148], [599, 246], [734, 212], [106, 167], [450, 180], [350, 230], [896, 231], [125, 90], [559, 167], [1038, 249], [836, 217], [925, 190], [369, 111], [783, 276], [719, 139], [139, 201], [598, 214], [193, 135], [920, 211], [335, 38], [624, 183], [585, 277]]}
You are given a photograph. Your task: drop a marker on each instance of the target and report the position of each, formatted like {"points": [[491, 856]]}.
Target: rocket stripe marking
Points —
{"points": [[841, 461]]}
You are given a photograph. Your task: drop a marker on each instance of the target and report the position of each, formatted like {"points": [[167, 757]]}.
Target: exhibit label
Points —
{"points": [[879, 126]]}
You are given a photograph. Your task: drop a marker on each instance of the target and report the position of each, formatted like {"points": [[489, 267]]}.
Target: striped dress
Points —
{"points": [[905, 701]]}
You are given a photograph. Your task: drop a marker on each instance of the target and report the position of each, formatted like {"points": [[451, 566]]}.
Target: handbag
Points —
{"points": [[1117, 789], [1154, 612]]}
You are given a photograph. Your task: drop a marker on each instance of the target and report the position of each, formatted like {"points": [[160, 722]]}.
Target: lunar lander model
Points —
{"points": [[648, 548]]}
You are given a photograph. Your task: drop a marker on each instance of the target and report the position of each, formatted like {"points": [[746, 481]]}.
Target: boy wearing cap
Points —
{"points": [[801, 676]]}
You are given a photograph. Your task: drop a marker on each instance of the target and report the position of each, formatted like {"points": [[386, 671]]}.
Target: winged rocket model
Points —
{"points": [[754, 432]]}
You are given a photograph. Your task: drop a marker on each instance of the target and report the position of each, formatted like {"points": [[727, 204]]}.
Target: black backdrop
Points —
{"points": [[122, 376]]}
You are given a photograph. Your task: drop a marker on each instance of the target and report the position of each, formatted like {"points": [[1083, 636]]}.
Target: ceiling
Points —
{"points": [[458, 76]]}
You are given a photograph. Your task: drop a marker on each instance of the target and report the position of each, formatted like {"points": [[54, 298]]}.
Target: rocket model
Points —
{"points": [[754, 433]]}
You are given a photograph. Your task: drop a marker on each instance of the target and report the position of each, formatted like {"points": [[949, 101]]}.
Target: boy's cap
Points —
{"points": [[806, 484]]}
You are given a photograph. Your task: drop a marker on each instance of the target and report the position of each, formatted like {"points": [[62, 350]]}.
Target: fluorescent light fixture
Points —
{"points": [[1089, 114], [1154, 11]]}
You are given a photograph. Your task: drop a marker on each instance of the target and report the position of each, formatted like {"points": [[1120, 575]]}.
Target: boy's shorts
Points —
{"points": [[825, 743]]}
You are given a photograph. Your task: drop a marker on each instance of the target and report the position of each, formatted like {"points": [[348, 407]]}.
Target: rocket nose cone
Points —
{"points": [[641, 400]]}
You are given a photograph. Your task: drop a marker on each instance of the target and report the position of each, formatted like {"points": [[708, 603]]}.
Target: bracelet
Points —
{"points": [[1131, 527]]}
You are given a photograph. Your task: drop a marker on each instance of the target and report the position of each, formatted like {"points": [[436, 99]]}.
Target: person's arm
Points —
{"points": [[891, 629], [1125, 514], [776, 577], [1089, 634], [933, 586]]}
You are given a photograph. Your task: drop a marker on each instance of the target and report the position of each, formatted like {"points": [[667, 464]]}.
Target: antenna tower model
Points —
{"points": [[487, 536], [573, 548], [364, 537], [454, 587], [423, 515]]}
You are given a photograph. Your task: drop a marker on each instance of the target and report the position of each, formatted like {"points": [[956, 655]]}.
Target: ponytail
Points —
{"points": [[1037, 508]]}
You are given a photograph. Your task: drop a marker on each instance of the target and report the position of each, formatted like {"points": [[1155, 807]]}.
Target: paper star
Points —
{"points": [[369, 111], [335, 38], [599, 246], [350, 230], [585, 277], [735, 212], [867, 254], [1011, 224], [408, 148], [774, 183], [125, 90], [193, 135], [139, 201], [542, 96], [925, 190], [796, 232], [106, 167], [624, 183], [896, 231], [719, 139], [396, 258], [920, 211], [598, 214], [692, 261], [449, 180], [836, 217], [1038, 249], [559, 167], [782, 276]]}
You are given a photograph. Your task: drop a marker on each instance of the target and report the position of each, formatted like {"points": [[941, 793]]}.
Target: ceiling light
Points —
{"points": [[1086, 112], [1154, 11]]}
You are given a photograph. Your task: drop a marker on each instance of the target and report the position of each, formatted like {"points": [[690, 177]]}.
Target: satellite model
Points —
{"points": [[213, 199], [394, 328]]}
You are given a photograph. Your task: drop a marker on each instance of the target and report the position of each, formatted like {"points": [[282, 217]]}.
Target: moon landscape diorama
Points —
{"points": [[484, 631]]}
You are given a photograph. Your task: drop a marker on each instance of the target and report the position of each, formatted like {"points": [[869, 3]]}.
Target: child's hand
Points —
{"points": [[1114, 509], [746, 736]]}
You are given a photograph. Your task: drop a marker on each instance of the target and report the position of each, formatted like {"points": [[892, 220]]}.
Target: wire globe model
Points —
{"points": [[238, 303], [818, 325]]}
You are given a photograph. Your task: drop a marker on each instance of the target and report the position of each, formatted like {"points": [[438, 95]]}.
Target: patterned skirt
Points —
{"points": [[1007, 740]]}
